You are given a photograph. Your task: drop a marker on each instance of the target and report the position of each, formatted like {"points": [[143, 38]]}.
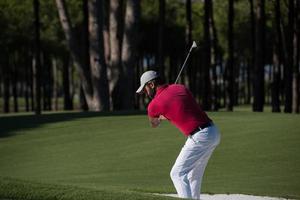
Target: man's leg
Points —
{"points": [[184, 164], [196, 174], [206, 144]]}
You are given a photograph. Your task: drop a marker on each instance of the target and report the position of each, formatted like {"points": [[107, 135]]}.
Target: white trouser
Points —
{"points": [[190, 164]]}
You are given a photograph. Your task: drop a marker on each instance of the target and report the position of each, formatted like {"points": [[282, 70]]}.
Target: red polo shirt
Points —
{"points": [[178, 105]]}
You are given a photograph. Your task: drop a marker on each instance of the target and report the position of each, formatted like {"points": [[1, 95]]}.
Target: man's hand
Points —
{"points": [[154, 121]]}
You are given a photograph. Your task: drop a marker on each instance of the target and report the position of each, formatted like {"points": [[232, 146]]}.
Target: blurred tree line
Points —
{"points": [[89, 54]]}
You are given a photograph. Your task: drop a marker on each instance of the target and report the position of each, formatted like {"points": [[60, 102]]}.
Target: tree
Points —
{"points": [[161, 38], [73, 45], [217, 60], [93, 80], [258, 81], [106, 6], [129, 51], [207, 102], [252, 51], [114, 70], [55, 83], [47, 80], [230, 62], [288, 68], [37, 63], [85, 51], [14, 79], [28, 81], [296, 49], [277, 59], [68, 103], [181, 21], [188, 41], [97, 59], [189, 24], [6, 85]]}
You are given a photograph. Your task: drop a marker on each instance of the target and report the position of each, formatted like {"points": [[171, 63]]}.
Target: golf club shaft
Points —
{"points": [[182, 67]]}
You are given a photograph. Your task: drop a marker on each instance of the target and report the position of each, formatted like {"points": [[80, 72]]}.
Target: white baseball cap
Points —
{"points": [[145, 78]]}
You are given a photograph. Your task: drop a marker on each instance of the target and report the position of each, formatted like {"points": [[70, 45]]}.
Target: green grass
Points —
{"points": [[101, 156]]}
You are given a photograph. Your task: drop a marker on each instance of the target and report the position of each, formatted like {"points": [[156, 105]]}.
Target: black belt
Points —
{"points": [[199, 128]]}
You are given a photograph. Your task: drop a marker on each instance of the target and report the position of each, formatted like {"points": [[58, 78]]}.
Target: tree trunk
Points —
{"points": [[82, 101], [276, 82], [252, 59], [97, 59], [106, 37], [6, 96], [55, 83], [216, 60], [47, 82], [277, 60], [188, 38], [258, 83], [86, 56], [14, 79], [161, 33], [296, 75], [37, 63], [129, 51], [27, 84], [31, 83], [249, 95], [72, 81], [189, 24], [224, 85], [244, 82], [114, 69], [74, 48], [288, 68], [1, 80], [207, 57], [230, 62], [6, 85], [68, 104]]}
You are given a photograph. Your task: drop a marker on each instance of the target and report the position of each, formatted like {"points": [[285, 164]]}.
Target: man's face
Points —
{"points": [[149, 90]]}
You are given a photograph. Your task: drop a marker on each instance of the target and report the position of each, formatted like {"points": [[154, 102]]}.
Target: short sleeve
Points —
{"points": [[153, 110]]}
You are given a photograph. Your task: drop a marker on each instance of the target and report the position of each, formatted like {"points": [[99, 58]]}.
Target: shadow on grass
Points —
{"points": [[10, 124], [11, 188]]}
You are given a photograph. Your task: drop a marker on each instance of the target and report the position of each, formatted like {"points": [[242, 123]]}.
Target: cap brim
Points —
{"points": [[140, 90]]}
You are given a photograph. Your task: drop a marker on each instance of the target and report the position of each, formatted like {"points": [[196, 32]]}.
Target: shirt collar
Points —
{"points": [[160, 89]]}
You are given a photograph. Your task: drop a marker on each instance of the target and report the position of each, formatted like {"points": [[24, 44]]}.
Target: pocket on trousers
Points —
{"points": [[207, 136]]}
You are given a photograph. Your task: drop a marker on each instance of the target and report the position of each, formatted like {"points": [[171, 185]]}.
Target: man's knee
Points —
{"points": [[176, 174]]}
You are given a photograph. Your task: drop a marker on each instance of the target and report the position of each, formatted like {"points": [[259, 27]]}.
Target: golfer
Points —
{"points": [[175, 103]]}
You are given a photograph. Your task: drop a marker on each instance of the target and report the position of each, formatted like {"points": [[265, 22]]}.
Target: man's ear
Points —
{"points": [[151, 85]]}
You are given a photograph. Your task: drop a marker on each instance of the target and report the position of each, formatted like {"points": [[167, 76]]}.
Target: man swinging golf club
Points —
{"points": [[175, 103]]}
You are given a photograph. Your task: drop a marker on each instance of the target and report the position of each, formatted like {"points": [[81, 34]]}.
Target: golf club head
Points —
{"points": [[194, 45]]}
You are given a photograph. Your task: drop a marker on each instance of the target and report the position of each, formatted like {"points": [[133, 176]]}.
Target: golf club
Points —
{"points": [[194, 45]]}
